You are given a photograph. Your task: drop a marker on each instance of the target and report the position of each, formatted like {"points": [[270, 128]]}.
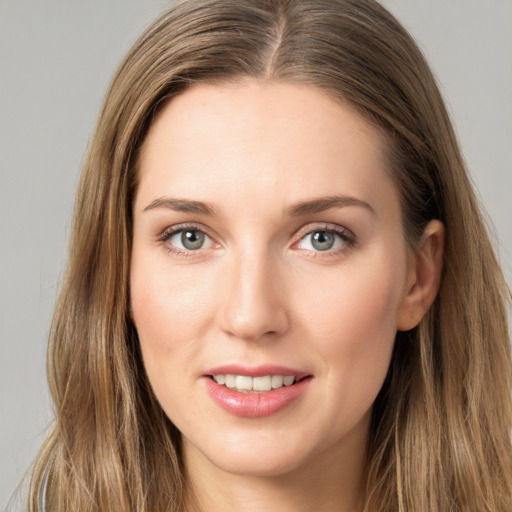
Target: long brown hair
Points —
{"points": [[440, 438]]}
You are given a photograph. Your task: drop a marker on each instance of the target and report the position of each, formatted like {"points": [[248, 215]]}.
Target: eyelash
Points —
{"points": [[347, 237]]}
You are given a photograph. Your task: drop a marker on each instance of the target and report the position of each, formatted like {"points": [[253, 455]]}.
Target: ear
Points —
{"points": [[424, 276]]}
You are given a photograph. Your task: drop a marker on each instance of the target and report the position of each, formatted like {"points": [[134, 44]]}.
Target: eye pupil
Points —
{"points": [[322, 240], [192, 239]]}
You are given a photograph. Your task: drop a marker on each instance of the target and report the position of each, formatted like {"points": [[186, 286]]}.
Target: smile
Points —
{"points": [[259, 395], [245, 383]]}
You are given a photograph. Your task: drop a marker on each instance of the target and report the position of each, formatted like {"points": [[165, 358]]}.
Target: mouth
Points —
{"points": [[258, 384], [255, 392]]}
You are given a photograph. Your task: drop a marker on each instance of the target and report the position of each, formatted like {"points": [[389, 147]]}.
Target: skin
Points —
{"points": [[259, 292]]}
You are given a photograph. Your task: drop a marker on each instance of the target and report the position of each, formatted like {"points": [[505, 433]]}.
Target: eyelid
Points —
{"points": [[324, 226], [175, 228]]}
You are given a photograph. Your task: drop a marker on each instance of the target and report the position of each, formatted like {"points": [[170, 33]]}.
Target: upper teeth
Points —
{"points": [[246, 383]]}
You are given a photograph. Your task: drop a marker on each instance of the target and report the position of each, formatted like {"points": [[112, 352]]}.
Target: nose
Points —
{"points": [[254, 302]]}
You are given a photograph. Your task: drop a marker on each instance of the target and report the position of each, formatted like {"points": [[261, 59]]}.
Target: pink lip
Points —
{"points": [[255, 405]]}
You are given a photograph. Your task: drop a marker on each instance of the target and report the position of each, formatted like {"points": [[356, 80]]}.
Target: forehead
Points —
{"points": [[270, 140]]}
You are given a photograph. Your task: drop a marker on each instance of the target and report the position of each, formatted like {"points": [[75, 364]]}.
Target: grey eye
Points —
{"points": [[322, 240], [189, 239], [192, 239]]}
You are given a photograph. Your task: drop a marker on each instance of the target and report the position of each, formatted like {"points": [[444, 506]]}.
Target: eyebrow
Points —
{"points": [[182, 205], [322, 204], [307, 207]]}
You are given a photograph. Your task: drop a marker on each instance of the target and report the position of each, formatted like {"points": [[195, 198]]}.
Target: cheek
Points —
{"points": [[167, 315], [167, 312], [353, 315], [358, 299], [165, 302]]}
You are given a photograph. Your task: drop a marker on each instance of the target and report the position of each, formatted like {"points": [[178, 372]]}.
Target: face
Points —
{"points": [[268, 274]]}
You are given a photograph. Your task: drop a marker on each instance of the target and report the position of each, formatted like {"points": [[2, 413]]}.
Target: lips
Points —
{"points": [[255, 392]]}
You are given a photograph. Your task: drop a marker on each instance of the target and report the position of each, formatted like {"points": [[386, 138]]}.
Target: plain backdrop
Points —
{"points": [[56, 59]]}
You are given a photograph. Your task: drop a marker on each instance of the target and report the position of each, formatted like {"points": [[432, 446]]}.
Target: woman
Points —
{"points": [[280, 291]]}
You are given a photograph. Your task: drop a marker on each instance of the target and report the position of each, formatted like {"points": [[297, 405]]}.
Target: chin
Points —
{"points": [[254, 457]]}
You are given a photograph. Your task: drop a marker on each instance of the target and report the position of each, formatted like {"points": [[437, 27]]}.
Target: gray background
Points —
{"points": [[56, 59]]}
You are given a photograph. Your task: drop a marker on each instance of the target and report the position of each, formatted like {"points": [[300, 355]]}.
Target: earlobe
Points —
{"points": [[424, 277]]}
